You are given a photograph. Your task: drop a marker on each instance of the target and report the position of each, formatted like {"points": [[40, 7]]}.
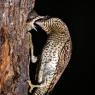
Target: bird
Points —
{"points": [[55, 55]]}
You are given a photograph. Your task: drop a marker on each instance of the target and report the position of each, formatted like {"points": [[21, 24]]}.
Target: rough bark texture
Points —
{"points": [[14, 46]]}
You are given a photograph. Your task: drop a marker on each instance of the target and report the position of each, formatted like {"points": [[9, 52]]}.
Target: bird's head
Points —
{"points": [[40, 21]]}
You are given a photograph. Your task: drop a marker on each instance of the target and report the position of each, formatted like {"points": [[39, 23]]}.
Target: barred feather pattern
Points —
{"points": [[55, 55]]}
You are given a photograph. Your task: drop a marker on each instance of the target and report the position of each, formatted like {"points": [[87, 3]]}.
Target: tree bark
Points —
{"points": [[14, 46]]}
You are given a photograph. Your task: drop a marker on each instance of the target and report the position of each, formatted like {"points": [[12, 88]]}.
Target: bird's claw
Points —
{"points": [[32, 86]]}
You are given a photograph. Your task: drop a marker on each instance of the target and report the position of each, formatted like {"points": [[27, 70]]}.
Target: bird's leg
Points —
{"points": [[33, 58]]}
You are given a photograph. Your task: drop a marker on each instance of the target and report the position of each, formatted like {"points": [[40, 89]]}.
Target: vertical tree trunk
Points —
{"points": [[14, 46]]}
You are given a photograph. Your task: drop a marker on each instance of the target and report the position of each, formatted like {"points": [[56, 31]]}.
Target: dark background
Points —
{"points": [[78, 16]]}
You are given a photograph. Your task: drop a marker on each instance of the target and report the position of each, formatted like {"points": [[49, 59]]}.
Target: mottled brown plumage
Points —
{"points": [[55, 55]]}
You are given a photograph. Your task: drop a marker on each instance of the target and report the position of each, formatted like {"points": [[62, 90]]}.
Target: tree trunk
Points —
{"points": [[14, 46]]}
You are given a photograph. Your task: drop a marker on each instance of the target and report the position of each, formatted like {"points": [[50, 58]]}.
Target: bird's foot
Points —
{"points": [[34, 59], [32, 86]]}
